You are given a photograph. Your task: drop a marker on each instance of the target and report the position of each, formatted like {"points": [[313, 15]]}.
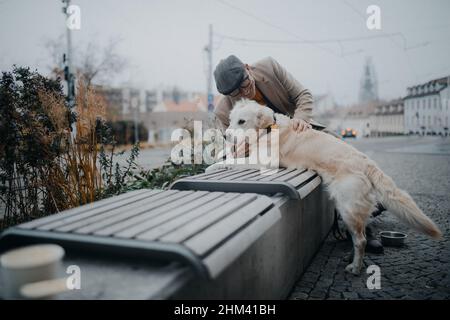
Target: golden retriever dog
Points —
{"points": [[353, 180]]}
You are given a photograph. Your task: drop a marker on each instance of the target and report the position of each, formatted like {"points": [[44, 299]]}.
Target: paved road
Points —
{"points": [[421, 269], [149, 158]]}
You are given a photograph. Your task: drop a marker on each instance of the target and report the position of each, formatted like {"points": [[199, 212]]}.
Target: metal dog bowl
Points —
{"points": [[393, 238]]}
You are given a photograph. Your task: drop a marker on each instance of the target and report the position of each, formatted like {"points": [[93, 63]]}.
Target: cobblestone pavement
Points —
{"points": [[420, 269]]}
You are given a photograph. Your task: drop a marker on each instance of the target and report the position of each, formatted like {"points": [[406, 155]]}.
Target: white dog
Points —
{"points": [[353, 180]]}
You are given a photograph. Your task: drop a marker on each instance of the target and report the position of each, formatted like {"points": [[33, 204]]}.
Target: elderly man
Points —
{"points": [[268, 83]]}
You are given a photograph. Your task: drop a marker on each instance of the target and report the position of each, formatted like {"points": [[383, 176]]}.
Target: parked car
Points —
{"points": [[348, 133]]}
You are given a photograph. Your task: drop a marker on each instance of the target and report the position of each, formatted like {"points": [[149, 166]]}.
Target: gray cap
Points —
{"points": [[229, 74]]}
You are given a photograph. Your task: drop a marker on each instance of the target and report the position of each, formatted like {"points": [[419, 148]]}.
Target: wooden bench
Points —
{"points": [[229, 234]]}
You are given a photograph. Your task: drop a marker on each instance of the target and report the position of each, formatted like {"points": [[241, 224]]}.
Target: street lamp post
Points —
{"points": [[68, 71], [209, 50]]}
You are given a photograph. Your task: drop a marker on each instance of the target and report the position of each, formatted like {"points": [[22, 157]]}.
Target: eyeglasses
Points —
{"points": [[244, 85]]}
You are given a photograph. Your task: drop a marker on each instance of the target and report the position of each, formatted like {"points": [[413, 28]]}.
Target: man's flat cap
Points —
{"points": [[229, 74]]}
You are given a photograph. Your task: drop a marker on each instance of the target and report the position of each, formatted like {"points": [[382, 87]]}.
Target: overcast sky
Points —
{"points": [[163, 40]]}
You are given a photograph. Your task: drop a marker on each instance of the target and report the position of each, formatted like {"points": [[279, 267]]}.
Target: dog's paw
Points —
{"points": [[351, 268]]}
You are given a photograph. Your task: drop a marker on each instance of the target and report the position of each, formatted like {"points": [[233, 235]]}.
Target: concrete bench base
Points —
{"points": [[269, 268]]}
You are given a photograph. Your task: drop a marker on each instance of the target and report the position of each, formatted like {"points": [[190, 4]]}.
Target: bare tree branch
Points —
{"points": [[92, 62]]}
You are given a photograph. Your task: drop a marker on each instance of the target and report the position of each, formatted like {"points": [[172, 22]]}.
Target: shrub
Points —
{"points": [[53, 158], [45, 167]]}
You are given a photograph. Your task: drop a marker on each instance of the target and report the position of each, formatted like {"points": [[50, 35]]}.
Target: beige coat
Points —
{"points": [[279, 86]]}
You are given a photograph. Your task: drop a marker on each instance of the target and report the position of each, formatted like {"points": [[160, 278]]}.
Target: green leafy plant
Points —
{"points": [[163, 177], [116, 177]]}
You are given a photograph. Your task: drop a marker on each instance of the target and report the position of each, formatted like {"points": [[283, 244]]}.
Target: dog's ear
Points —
{"points": [[264, 117]]}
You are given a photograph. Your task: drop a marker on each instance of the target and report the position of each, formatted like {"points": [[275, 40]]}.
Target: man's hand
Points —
{"points": [[300, 125]]}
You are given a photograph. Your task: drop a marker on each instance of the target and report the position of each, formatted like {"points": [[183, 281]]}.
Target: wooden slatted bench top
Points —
{"points": [[295, 183], [205, 230]]}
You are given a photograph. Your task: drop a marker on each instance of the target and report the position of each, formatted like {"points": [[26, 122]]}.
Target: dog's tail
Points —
{"points": [[400, 203]]}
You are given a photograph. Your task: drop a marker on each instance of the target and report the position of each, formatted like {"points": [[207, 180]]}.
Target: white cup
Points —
{"points": [[27, 265]]}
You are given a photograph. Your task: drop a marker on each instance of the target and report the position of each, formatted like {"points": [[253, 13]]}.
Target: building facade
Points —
{"points": [[388, 119], [121, 102], [427, 108]]}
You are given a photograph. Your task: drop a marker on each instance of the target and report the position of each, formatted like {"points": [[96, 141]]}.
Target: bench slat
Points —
{"points": [[172, 225], [254, 175], [80, 209], [267, 173], [240, 175], [203, 175], [110, 206], [131, 217], [151, 202], [223, 174], [209, 175], [276, 176], [116, 229], [143, 224], [204, 241], [309, 187], [197, 225], [291, 175], [302, 178]]}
